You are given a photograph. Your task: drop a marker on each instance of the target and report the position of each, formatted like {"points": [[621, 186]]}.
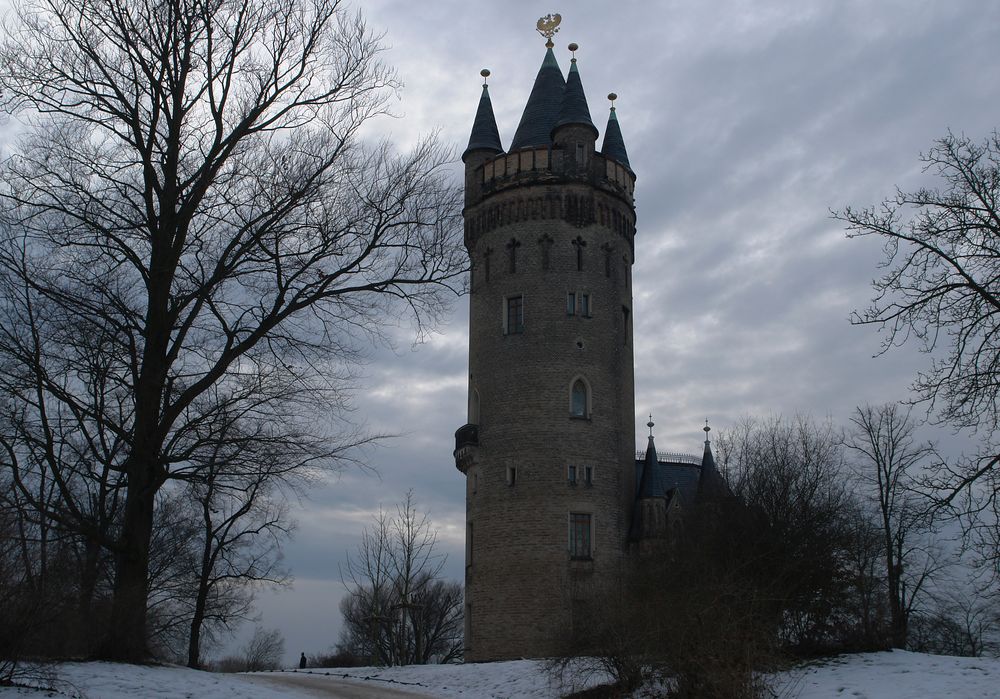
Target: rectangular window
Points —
{"points": [[585, 305], [515, 315], [625, 323], [580, 535], [588, 475], [571, 475], [570, 304], [511, 476]]}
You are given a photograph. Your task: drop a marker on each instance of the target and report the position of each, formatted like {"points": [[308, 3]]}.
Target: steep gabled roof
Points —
{"points": [[542, 109], [614, 144], [574, 109], [485, 135]]}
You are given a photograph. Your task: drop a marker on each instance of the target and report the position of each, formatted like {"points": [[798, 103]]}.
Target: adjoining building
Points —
{"points": [[559, 504]]}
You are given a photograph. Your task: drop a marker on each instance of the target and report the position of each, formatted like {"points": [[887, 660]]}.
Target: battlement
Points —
{"points": [[545, 165], [516, 188]]}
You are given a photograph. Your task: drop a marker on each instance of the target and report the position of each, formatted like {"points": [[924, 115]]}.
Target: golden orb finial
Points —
{"points": [[612, 96], [485, 72], [547, 26]]}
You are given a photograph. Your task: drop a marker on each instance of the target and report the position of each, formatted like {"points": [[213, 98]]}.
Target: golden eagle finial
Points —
{"points": [[548, 26]]}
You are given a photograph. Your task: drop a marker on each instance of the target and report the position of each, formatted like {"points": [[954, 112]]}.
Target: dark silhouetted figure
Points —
{"points": [[302, 662]]}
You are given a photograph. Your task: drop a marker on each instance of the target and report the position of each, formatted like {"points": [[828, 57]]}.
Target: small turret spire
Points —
{"points": [[614, 144], [485, 135], [574, 109]]}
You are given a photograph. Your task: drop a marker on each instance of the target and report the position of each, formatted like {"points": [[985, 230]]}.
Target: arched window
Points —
{"points": [[579, 399], [474, 407]]}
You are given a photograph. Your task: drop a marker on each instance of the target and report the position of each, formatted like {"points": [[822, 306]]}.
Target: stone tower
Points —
{"points": [[548, 450]]}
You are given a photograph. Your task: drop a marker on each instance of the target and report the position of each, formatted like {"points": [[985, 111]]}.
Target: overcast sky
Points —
{"points": [[746, 122]]}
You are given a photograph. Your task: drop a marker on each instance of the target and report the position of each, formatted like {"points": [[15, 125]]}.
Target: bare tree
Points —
{"points": [[866, 566], [398, 611], [791, 473], [264, 651], [887, 452], [192, 191], [941, 287]]}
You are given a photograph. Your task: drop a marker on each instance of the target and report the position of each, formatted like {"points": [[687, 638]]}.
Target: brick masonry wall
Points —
{"points": [[521, 585]]}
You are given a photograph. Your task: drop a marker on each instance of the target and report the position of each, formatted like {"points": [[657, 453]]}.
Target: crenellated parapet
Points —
{"points": [[528, 178]]}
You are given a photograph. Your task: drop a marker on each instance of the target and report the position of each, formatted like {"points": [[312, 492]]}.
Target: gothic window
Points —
{"points": [[588, 475], [571, 474], [580, 535], [512, 247], [579, 243], [514, 319], [512, 476], [579, 399], [474, 407], [626, 328], [571, 304], [585, 305]]}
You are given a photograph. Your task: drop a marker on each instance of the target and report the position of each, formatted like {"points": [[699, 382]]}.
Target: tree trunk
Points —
{"points": [[897, 625], [85, 600], [126, 641], [194, 640]]}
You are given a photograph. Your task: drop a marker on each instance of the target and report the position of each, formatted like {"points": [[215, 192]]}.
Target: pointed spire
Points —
{"points": [[574, 109], [485, 135], [614, 144], [710, 483], [540, 112], [647, 488], [707, 460]]}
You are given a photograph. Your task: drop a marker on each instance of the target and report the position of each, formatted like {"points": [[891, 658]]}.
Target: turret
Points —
{"points": [[614, 144], [574, 132], [711, 484], [484, 141], [649, 516]]}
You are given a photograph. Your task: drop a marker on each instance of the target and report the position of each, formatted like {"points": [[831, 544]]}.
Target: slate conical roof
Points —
{"points": [[543, 105], [574, 109], [614, 144], [485, 135]]}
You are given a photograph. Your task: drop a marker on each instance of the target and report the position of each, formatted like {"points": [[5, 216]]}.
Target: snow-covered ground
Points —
{"points": [[896, 675]]}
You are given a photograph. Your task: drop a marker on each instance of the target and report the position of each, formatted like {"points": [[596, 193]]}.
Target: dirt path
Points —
{"points": [[334, 688]]}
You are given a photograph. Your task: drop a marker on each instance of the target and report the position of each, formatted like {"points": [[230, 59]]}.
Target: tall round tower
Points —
{"points": [[548, 450]]}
